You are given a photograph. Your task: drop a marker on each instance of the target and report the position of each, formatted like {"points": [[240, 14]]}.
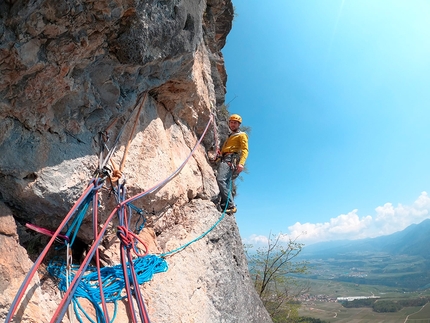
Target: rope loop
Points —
{"points": [[98, 183], [117, 173], [130, 240]]}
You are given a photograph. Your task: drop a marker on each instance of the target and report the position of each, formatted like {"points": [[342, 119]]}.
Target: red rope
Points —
{"points": [[46, 231], [57, 317], [163, 182], [59, 313], [39, 260], [99, 275], [128, 243], [128, 239]]}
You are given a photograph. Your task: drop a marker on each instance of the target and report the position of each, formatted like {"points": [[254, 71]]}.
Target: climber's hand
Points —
{"points": [[239, 168]]}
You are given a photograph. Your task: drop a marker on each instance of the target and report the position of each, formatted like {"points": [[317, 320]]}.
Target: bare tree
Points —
{"points": [[271, 268]]}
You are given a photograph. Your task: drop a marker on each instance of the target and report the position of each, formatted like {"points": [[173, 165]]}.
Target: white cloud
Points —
{"points": [[256, 239], [387, 219], [390, 219], [345, 226]]}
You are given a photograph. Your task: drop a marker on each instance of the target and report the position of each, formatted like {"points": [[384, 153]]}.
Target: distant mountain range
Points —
{"points": [[412, 241]]}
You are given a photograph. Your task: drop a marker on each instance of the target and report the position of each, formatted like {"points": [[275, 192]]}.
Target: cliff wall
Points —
{"points": [[73, 74]]}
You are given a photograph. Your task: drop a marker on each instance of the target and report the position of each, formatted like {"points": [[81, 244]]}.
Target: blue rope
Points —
{"points": [[72, 232], [205, 233], [140, 223], [194, 240], [112, 278]]}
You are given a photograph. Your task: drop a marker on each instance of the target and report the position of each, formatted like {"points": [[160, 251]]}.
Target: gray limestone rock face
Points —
{"points": [[73, 76]]}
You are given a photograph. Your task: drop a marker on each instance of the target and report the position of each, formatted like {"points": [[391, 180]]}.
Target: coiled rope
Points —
{"points": [[59, 313], [78, 274], [113, 282], [31, 273]]}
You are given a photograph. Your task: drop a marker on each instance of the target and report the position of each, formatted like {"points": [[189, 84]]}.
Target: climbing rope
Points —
{"points": [[165, 254], [104, 314], [124, 157], [74, 277], [104, 138], [129, 242], [47, 232], [59, 313], [113, 282], [31, 273], [176, 172]]}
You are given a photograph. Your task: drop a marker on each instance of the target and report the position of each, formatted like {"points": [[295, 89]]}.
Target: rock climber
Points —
{"points": [[233, 155]]}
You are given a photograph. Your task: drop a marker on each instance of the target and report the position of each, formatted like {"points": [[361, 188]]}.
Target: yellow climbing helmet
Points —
{"points": [[235, 117]]}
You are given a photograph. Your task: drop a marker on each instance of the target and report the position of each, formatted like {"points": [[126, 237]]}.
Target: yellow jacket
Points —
{"points": [[237, 142]]}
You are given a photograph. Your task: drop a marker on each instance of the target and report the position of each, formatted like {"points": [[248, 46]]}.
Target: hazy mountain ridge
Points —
{"points": [[413, 241], [399, 260]]}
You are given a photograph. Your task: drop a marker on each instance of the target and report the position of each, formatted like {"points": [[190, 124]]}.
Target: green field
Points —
{"points": [[400, 271], [336, 313], [396, 278], [423, 316], [336, 289], [321, 303]]}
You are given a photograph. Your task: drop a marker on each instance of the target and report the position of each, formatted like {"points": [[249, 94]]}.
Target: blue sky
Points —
{"points": [[337, 94]]}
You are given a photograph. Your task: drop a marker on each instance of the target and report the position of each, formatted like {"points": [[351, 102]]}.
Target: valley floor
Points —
{"points": [[321, 303], [336, 313]]}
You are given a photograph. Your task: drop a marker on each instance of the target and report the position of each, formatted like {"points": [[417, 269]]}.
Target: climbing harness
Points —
{"points": [[102, 285], [231, 159]]}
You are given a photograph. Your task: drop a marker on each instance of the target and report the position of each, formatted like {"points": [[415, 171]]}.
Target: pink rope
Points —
{"points": [[165, 181], [46, 231], [39, 260], [59, 313]]}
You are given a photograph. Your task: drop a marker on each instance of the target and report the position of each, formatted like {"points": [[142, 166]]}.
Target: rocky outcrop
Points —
{"points": [[73, 74], [14, 265]]}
